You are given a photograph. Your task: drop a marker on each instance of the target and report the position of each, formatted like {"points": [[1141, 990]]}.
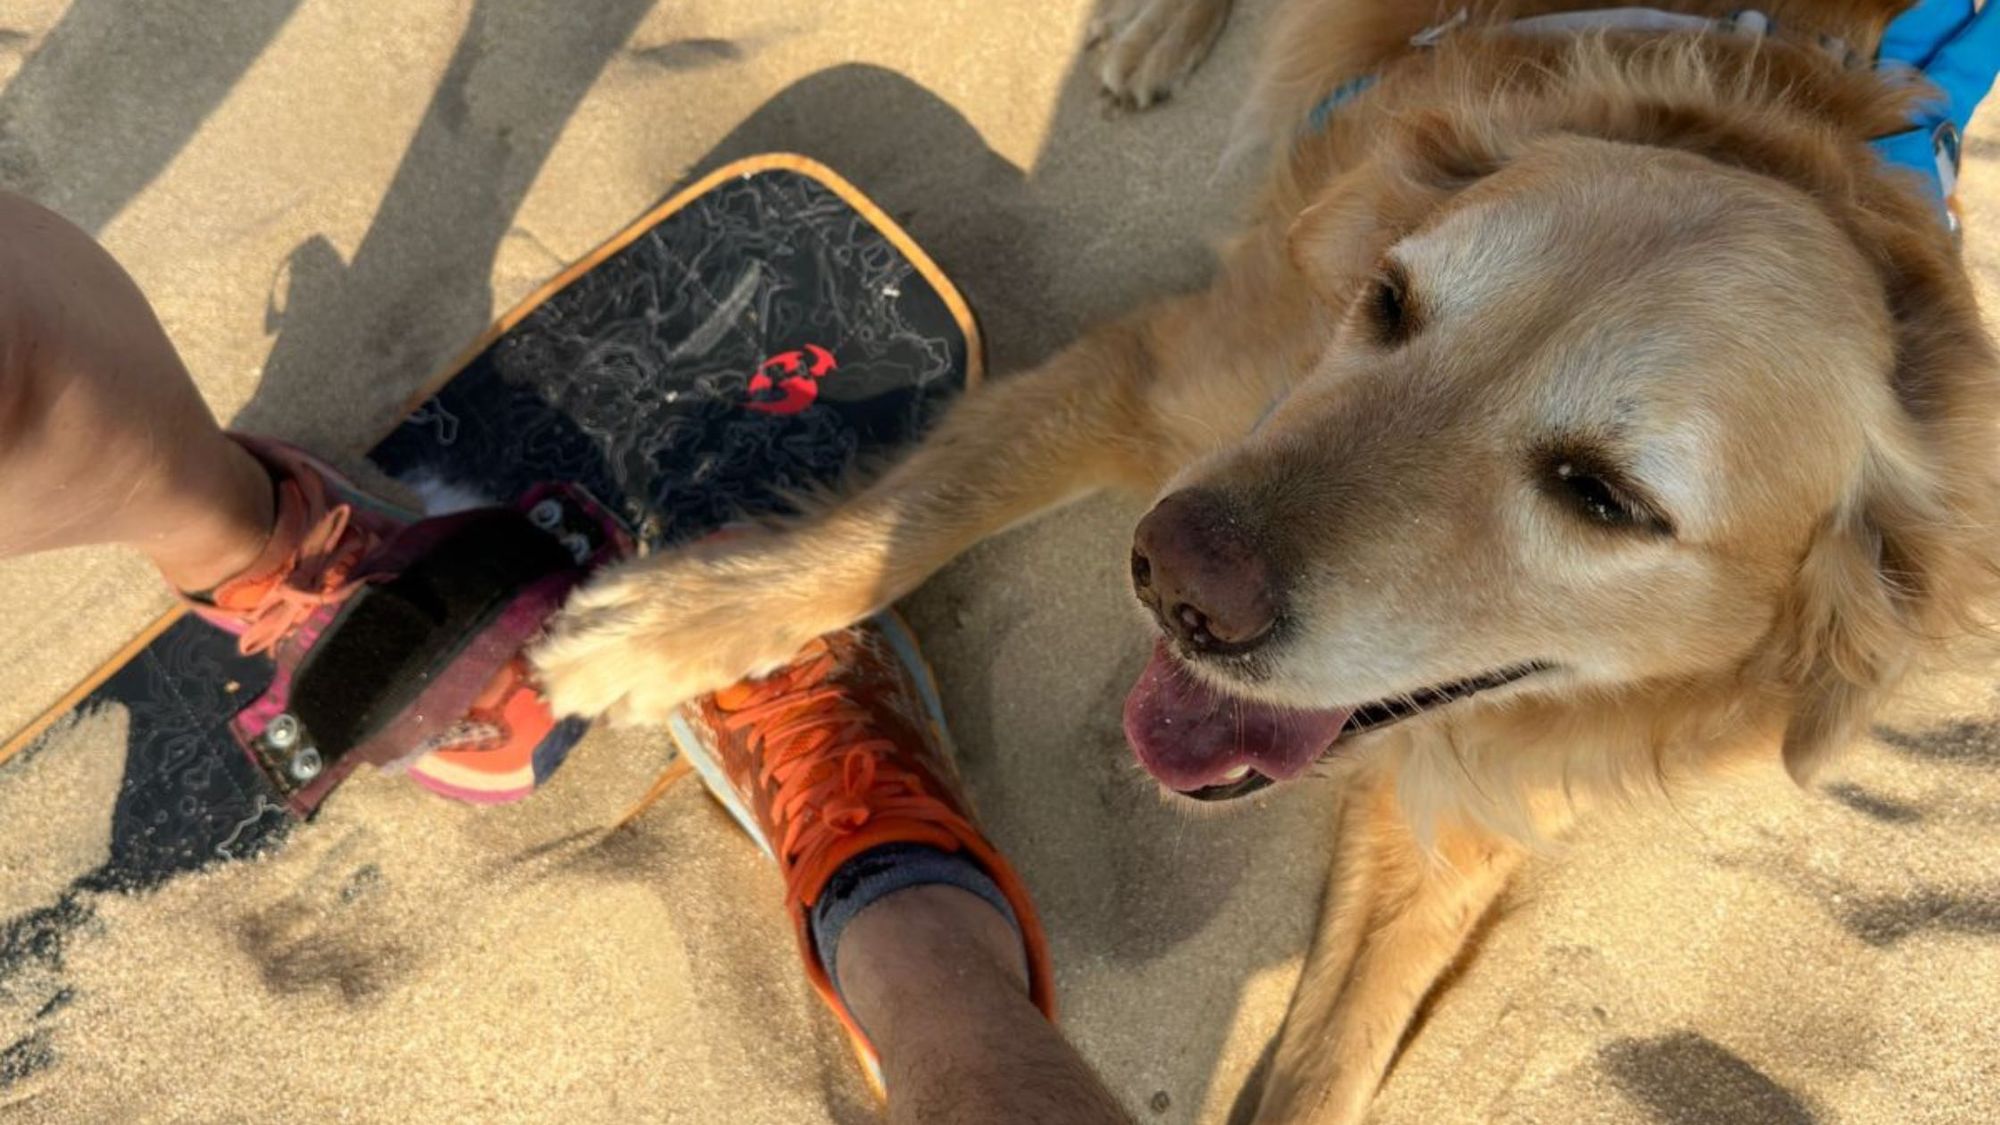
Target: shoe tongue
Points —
{"points": [[809, 668], [1189, 735], [737, 696]]}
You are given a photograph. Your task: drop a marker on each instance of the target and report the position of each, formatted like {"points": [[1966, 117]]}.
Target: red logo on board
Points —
{"points": [[788, 382]]}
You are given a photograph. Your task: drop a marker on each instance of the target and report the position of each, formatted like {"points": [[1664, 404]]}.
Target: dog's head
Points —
{"points": [[1590, 417]]}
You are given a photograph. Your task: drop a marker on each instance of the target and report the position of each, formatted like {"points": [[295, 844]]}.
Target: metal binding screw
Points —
{"points": [[282, 733], [306, 764], [547, 514]]}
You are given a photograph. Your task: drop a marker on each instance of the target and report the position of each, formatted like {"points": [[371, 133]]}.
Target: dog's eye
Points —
{"points": [[1602, 498], [1593, 497], [1390, 313]]}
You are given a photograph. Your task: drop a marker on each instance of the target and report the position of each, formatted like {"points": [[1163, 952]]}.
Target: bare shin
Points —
{"points": [[103, 435], [937, 977]]}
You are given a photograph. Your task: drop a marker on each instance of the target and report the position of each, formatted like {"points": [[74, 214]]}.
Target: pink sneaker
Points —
{"points": [[330, 542]]}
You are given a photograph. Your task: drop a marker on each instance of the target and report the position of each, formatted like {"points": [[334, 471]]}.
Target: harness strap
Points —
{"points": [[1931, 151]]}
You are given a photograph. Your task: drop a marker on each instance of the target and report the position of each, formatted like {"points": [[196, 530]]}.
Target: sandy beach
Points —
{"points": [[325, 199]]}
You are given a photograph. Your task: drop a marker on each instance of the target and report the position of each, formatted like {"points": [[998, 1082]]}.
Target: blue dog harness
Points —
{"points": [[1952, 45]]}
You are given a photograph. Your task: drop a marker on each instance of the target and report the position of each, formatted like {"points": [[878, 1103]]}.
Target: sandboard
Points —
{"points": [[761, 332]]}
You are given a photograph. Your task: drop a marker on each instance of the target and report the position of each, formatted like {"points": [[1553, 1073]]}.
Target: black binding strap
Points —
{"points": [[391, 639]]}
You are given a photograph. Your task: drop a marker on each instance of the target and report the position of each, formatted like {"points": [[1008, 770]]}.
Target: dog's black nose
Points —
{"points": [[1196, 568]]}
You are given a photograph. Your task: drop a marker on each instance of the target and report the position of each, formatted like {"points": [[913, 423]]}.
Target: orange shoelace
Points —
{"points": [[318, 572], [831, 775]]}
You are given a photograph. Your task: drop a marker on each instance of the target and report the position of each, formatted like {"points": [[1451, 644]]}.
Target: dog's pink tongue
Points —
{"points": [[1189, 735]]}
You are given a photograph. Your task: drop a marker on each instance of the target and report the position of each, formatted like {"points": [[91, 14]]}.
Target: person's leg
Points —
{"points": [[103, 436], [937, 977], [105, 439], [914, 929]]}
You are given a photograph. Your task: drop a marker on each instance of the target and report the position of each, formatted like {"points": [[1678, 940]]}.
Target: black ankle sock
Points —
{"points": [[879, 872]]}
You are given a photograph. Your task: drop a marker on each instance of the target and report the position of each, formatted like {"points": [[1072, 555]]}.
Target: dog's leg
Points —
{"points": [[1396, 916], [657, 631], [1127, 404], [1147, 48]]}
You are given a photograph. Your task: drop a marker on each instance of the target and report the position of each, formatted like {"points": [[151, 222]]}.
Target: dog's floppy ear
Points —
{"points": [[1909, 561], [1427, 158], [1850, 639], [1886, 578]]}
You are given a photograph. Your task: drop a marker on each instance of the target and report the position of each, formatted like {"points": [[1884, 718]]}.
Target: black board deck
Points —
{"points": [[762, 331]]}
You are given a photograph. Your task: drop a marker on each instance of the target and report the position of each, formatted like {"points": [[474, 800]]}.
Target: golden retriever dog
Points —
{"points": [[1581, 413]]}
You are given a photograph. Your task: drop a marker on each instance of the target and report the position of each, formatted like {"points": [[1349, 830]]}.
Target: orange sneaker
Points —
{"points": [[841, 752], [329, 541]]}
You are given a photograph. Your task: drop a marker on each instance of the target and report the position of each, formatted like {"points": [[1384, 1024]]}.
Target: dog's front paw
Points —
{"points": [[653, 633], [1147, 48]]}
